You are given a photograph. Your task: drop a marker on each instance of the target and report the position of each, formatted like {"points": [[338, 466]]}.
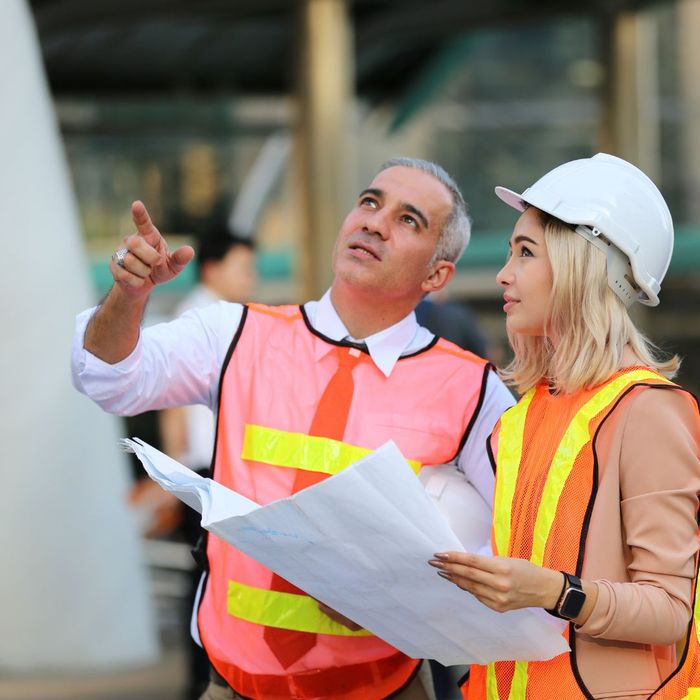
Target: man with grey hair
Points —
{"points": [[456, 229], [297, 390]]}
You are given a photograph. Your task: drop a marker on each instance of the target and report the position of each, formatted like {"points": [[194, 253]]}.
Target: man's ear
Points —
{"points": [[442, 272]]}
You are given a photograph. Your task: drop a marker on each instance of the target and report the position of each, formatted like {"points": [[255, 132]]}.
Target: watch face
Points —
{"points": [[573, 602]]}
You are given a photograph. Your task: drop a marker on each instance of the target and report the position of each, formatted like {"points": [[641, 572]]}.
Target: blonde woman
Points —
{"points": [[598, 465]]}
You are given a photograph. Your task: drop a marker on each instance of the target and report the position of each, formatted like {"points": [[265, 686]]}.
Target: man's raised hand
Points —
{"points": [[148, 260]]}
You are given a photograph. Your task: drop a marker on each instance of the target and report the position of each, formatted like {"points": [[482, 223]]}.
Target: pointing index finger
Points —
{"points": [[142, 220]]}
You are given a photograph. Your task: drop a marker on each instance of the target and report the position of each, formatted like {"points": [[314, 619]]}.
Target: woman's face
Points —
{"points": [[526, 277]]}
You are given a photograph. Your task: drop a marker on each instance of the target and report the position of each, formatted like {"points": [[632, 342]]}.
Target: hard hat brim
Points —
{"points": [[512, 199]]}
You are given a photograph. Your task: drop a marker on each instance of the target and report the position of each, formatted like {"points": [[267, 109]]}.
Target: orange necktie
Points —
{"points": [[329, 421]]}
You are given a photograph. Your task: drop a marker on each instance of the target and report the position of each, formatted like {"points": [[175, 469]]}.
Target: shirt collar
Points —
{"points": [[384, 347]]}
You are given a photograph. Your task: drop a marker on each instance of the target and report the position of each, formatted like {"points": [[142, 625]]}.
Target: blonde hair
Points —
{"points": [[588, 320]]}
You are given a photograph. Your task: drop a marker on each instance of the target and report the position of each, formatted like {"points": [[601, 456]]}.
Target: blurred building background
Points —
{"points": [[177, 103], [274, 113]]}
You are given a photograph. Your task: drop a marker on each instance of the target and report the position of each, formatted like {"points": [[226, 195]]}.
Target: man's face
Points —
{"points": [[387, 240]]}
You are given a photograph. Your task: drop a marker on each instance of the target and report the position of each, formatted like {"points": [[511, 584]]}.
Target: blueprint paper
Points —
{"points": [[359, 541]]}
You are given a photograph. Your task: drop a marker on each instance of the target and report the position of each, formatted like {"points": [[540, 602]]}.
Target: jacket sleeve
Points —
{"points": [[659, 486]]}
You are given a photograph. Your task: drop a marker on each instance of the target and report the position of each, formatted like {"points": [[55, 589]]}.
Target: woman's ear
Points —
{"points": [[441, 273]]}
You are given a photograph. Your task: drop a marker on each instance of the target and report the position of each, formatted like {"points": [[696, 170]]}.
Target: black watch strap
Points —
{"points": [[571, 599], [553, 611]]}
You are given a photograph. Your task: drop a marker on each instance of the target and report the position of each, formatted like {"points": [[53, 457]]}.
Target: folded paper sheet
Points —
{"points": [[360, 541]]}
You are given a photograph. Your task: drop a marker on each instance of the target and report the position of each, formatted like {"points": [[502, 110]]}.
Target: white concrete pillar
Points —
{"points": [[73, 592]]}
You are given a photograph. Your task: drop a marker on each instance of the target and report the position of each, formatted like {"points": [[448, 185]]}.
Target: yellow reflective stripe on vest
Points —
{"points": [[576, 436], [518, 686], [289, 611], [491, 683], [696, 607], [299, 451], [696, 612], [693, 694], [574, 439], [508, 461]]}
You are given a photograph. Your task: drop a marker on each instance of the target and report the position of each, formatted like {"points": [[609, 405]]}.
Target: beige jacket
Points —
{"points": [[641, 544]]}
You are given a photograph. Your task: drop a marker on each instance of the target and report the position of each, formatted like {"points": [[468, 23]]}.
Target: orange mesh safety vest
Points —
{"points": [[546, 478], [272, 380]]}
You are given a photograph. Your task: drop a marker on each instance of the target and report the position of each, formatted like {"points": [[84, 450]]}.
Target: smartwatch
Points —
{"points": [[571, 599]]}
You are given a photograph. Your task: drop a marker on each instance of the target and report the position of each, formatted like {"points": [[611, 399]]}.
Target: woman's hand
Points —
{"points": [[501, 583]]}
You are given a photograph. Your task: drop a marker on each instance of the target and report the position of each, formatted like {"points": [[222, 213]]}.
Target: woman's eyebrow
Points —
{"points": [[520, 239]]}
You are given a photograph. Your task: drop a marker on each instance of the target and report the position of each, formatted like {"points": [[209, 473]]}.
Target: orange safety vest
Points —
{"points": [[546, 477], [271, 383]]}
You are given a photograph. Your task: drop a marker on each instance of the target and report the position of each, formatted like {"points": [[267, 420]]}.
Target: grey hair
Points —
{"points": [[456, 231]]}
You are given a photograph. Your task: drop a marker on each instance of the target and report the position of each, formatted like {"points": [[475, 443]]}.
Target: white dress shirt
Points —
{"points": [[199, 420], [179, 363]]}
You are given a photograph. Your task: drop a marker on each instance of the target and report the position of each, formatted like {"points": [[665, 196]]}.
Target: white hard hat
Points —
{"points": [[615, 206]]}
